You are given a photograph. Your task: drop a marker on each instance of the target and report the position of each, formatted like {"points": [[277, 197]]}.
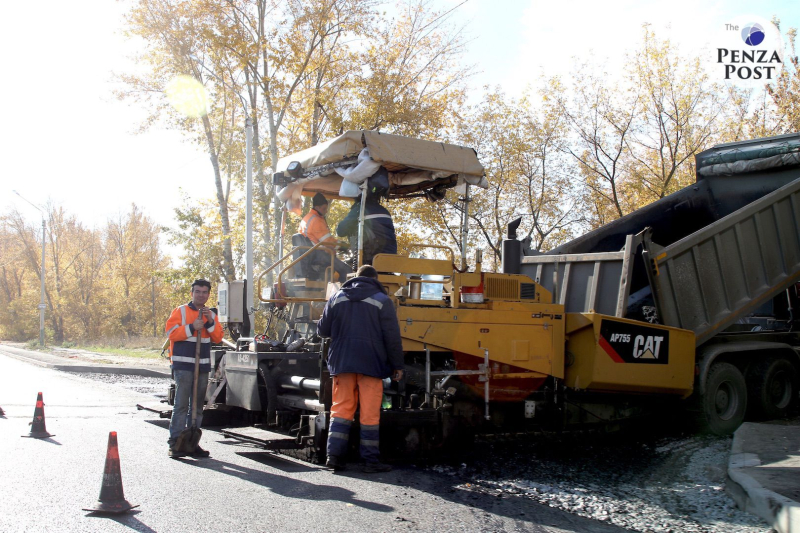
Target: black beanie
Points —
{"points": [[319, 199]]}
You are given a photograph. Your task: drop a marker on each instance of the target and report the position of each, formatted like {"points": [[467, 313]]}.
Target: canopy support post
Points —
{"points": [[361, 224], [464, 227]]}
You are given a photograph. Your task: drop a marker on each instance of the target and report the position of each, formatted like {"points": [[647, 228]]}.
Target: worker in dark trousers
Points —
{"points": [[365, 349], [315, 227], [185, 324]]}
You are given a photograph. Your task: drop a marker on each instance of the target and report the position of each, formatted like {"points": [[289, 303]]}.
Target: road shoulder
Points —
{"points": [[764, 472], [69, 360]]}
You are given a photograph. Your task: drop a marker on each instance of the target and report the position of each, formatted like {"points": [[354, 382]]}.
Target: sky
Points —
{"points": [[66, 140]]}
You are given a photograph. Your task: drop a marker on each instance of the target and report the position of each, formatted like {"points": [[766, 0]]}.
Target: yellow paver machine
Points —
{"points": [[484, 351]]}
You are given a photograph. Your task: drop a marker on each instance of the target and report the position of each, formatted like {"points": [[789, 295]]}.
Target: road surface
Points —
{"points": [[46, 483]]}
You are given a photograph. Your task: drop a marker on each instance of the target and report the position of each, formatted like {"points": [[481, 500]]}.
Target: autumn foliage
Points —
{"points": [[570, 154], [105, 282]]}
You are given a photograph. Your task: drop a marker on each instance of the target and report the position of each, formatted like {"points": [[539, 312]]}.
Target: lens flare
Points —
{"points": [[188, 96]]}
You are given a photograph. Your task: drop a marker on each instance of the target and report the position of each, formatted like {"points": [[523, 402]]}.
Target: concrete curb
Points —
{"points": [[96, 369], [125, 370], [782, 513]]}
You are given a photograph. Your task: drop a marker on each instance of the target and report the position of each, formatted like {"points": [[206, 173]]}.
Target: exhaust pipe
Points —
{"points": [[512, 249]]}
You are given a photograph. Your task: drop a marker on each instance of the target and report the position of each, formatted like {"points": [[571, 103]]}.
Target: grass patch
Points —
{"points": [[138, 347], [143, 353]]}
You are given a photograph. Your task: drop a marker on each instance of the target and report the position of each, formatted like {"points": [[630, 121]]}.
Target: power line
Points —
{"points": [[443, 15]]}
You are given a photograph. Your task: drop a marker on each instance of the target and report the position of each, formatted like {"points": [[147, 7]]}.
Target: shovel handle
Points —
{"points": [[198, 337]]}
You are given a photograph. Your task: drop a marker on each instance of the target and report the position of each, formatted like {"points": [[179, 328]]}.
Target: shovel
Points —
{"points": [[189, 438]]}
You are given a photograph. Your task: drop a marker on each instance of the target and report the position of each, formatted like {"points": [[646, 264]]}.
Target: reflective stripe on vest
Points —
{"points": [[304, 229], [374, 302], [339, 299], [369, 300], [183, 359]]}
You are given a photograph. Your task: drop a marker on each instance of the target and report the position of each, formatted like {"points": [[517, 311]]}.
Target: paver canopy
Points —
{"points": [[413, 165]]}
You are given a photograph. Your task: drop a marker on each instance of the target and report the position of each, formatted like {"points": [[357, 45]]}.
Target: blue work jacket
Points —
{"points": [[362, 324]]}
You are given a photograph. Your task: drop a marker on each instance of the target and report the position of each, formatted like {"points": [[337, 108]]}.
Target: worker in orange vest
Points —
{"points": [[315, 228], [185, 324]]}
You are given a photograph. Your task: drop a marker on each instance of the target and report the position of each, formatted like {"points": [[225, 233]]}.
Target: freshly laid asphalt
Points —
{"points": [[46, 483], [763, 467]]}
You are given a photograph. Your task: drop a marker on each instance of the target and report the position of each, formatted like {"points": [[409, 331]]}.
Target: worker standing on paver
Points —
{"points": [[365, 349], [379, 233], [183, 327]]}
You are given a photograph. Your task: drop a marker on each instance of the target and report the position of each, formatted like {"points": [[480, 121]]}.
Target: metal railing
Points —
{"points": [[319, 246], [437, 246]]}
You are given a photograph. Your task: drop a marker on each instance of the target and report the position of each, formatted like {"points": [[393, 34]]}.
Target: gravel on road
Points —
{"points": [[650, 482]]}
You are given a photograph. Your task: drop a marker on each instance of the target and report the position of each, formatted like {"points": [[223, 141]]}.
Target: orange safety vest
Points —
{"points": [[182, 340], [315, 227]]}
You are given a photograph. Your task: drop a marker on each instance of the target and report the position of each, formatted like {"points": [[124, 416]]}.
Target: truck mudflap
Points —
{"points": [[611, 354]]}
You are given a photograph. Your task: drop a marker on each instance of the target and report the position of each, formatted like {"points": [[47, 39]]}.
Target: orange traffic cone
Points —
{"points": [[38, 429], [112, 497]]}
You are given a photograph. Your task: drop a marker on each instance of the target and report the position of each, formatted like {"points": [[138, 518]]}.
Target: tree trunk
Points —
{"points": [[227, 252]]}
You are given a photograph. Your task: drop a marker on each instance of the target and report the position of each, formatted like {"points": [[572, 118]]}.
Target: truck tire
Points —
{"points": [[773, 387], [725, 401]]}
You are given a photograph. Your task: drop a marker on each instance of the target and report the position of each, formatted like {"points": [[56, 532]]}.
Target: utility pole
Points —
{"points": [[153, 300], [248, 241], [42, 306]]}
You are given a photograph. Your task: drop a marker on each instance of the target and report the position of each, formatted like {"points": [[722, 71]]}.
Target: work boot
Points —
{"points": [[200, 452], [175, 453], [373, 467], [336, 463]]}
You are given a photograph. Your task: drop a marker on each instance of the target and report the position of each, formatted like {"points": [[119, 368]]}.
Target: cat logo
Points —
{"points": [[647, 347], [626, 342]]}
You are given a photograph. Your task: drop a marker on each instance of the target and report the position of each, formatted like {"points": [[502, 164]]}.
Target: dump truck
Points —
{"points": [[720, 258], [689, 300]]}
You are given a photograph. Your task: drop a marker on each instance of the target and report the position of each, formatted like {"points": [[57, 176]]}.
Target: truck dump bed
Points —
{"points": [[719, 248], [713, 277]]}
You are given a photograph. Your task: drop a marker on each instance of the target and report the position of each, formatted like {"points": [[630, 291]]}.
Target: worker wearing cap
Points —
{"points": [[366, 348], [315, 227]]}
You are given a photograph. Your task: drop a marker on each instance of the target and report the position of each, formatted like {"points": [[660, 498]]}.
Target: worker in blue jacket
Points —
{"points": [[365, 349], [379, 234]]}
